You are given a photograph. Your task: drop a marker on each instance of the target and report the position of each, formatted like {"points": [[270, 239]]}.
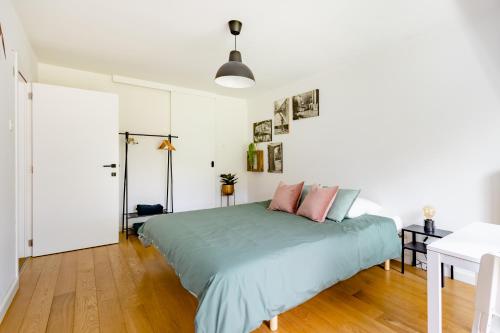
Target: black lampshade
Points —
{"points": [[234, 73]]}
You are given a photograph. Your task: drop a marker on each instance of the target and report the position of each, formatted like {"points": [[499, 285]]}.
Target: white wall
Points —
{"points": [[8, 256], [146, 110], [15, 39], [231, 143], [411, 124]]}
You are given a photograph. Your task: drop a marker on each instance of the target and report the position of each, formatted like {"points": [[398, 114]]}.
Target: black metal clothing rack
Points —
{"points": [[169, 202]]}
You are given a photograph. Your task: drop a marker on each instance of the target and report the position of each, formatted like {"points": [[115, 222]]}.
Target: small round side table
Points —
{"points": [[227, 198]]}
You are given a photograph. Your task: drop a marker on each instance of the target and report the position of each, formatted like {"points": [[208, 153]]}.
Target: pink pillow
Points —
{"points": [[286, 197], [318, 202]]}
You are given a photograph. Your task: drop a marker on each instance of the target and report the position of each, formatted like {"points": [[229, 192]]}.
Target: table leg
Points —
{"points": [[402, 261], [452, 275], [402, 252], [442, 275], [434, 314], [414, 254]]}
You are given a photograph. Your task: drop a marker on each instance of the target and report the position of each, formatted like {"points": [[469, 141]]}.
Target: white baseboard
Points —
{"points": [[459, 274], [8, 298], [465, 276]]}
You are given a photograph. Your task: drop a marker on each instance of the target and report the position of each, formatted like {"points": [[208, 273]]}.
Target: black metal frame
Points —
{"points": [[169, 205], [420, 247], [227, 198]]}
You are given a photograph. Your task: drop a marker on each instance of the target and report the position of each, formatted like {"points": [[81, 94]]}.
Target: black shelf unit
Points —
{"points": [[420, 247], [417, 247], [134, 215], [169, 202]]}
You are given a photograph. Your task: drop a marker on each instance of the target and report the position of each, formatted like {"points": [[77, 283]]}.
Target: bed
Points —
{"points": [[246, 264]]}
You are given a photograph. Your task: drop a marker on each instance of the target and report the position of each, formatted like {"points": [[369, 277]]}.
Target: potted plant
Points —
{"points": [[251, 155], [228, 180]]}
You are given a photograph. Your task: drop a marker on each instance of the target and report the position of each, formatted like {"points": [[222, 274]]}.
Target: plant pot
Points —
{"points": [[258, 161], [227, 189]]}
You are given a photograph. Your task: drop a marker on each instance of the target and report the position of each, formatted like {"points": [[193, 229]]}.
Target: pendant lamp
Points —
{"points": [[234, 73]]}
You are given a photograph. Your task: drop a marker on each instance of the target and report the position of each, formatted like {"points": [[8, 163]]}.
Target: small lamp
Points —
{"points": [[429, 213]]}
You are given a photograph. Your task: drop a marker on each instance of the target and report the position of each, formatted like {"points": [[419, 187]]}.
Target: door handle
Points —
{"points": [[109, 165]]}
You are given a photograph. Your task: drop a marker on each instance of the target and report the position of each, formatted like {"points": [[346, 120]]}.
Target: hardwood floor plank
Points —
{"points": [[169, 293], [169, 280], [62, 313], [153, 299], [335, 295], [349, 313], [129, 288], [134, 312], [38, 311], [396, 324], [66, 281], [110, 312], [86, 312], [412, 285], [27, 284]]}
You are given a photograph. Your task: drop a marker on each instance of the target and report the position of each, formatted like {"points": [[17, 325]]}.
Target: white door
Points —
{"points": [[75, 198], [193, 120]]}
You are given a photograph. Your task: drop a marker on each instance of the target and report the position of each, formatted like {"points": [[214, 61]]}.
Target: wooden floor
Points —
{"points": [[129, 288], [21, 262]]}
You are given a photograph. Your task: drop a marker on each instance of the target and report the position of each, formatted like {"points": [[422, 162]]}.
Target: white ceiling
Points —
{"points": [[184, 42]]}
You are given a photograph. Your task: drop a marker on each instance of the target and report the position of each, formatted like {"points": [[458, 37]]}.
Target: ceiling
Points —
{"points": [[184, 42]]}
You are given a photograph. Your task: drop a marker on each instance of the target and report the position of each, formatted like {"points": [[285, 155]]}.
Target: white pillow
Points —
{"points": [[397, 220], [363, 206]]}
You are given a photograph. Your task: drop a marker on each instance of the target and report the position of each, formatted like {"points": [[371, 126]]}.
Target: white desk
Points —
{"points": [[464, 249]]}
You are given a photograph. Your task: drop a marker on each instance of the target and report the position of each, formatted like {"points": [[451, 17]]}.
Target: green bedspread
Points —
{"points": [[247, 264]]}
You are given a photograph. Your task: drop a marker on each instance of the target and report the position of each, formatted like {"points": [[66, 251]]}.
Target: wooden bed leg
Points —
{"points": [[387, 265], [273, 323]]}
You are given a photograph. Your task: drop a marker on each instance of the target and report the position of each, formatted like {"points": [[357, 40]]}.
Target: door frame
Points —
{"points": [[16, 171], [23, 166]]}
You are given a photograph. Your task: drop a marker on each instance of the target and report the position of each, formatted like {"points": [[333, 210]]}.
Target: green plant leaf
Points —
{"points": [[228, 179]]}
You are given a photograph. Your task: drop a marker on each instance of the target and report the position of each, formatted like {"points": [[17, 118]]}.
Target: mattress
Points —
{"points": [[246, 264]]}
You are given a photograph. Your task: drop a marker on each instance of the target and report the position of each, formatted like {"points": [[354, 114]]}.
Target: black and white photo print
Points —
{"points": [[282, 116], [306, 105], [263, 131], [275, 157]]}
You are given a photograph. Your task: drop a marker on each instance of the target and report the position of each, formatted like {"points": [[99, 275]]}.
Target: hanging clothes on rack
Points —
{"points": [[169, 202]]}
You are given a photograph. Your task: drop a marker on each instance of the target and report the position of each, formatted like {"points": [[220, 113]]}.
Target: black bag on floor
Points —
{"points": [[137, 226]]}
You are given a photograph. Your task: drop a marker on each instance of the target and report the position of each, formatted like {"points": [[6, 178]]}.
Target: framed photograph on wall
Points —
{"points": [[282, 116], [2, 40], [275, 157], [306, 105], [263, 131]]}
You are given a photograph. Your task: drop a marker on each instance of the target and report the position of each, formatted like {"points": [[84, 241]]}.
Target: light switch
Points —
{"points": [[11, 125]]}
